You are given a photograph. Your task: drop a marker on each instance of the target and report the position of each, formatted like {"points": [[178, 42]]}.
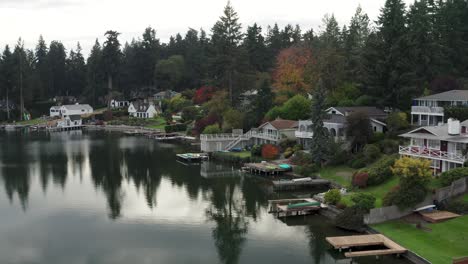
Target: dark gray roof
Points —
{"points": [[74, 117], [78, 107], [337, 119], [371, 111], [453, 95], [141, 105]]}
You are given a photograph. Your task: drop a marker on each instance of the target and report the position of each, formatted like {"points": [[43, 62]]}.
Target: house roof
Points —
{"points": [[142, 105], [74, 117], [453, 95], [334, 118], [371, 111], [282, 124], [56, 107], [436, 133], [78, 107]]}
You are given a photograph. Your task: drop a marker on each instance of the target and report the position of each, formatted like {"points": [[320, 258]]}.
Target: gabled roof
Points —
{"points": [[371, 111], [55, 107], [282, 124], [74, 117], [142, 105], [436, 133], [78, 107], [453, 95], [334, 118]]}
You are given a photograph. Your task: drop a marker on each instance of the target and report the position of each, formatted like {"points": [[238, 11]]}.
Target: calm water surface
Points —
{"points": [[95, 197]]}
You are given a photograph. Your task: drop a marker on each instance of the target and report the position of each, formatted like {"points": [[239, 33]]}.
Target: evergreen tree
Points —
{"points": [[354, 43], [318, 147], [226, 36], [76, 72], [254, 44], [42, 68], [111, 59], [95, 73], [263, 101], [150, 49], [56, 61], [7, 77]]}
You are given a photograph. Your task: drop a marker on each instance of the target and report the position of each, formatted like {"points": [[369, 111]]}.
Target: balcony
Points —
{"points": [[427, 110], [303, 134], [424, 152]]}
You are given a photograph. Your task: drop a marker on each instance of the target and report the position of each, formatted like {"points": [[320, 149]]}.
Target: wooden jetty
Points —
{"points": [[60, 129], [360, 241], [193, 156], [295, 184], [437, 216], [266, 168], [294, 207]]}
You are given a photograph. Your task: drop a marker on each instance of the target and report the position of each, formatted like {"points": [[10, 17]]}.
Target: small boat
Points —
{"points": [[302, 179], [425, 208]]}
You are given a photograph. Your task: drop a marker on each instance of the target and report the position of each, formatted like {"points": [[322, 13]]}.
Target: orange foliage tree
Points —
{"points": [[270, 151], [289, 73]]}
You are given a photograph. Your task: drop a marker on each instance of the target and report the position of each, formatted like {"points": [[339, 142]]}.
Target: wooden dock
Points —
{"points": [[290, 185], [193, 156], [60, 129], [294, 207], [349, 242], [265, 168], [438, 216]]}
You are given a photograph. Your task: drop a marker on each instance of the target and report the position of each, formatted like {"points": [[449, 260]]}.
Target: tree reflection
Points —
{"points": [[231, 224]]}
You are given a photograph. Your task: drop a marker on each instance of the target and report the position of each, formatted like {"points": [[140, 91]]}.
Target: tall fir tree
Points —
{"points": [[254, 44], [111, 59], [318, 146]]}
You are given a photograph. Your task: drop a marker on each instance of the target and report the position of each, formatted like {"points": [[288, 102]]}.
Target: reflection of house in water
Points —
{"points": [[215, 170]]}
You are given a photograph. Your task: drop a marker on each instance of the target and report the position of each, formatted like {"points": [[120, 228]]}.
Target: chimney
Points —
{"points": [[453, 127]]}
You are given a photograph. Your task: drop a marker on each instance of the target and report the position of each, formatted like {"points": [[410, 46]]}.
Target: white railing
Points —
{"points": [[425, 152], [218, 136], [303, 134], [427, 109]]}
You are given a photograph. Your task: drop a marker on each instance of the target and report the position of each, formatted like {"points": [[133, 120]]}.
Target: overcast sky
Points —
{"points": [[71, 21]]}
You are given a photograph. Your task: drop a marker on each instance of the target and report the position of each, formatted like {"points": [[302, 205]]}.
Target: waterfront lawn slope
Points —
{"points": [[439, 245]]}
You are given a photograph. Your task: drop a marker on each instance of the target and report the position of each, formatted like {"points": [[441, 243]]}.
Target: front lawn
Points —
{"points": [[32, 122], [242, 154], [438, 244], [157, 123], [378, 191], [341, 175], [465, 198]]}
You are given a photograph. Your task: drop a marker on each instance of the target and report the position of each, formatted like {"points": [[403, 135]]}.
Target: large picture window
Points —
{"points": [[433, 144]]}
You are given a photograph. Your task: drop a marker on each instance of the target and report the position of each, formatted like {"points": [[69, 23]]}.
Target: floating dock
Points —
{"points": [[349, 242], [294, 207], [60, 129], [193, 156], [266, 168], [295, 184]]}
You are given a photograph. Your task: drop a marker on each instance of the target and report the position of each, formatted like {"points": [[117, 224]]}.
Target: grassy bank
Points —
{"points": [[439, 244]]}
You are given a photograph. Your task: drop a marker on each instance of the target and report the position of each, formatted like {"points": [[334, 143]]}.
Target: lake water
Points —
{"points": [[95, 197]]}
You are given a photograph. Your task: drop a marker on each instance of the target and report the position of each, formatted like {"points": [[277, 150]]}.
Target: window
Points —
{"points": [[435, 164], [417, 142], [433, 144]]}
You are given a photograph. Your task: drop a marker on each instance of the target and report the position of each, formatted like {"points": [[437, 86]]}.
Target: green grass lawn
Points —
{"points": [[445, 240], [378, 191], [242, 154], [157, 123], [341, 175], [465, 198], [35, 121]]}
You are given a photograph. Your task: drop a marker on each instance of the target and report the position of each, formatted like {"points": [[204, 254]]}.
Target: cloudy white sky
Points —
{"points": [[84, 20]]}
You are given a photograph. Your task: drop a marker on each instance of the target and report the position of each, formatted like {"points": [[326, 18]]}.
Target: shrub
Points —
{"points": [[189, 113], [407, 196], [446, 178], [389, 146], [270, 151], [333, 196], [390, 196], [212, 129], [352, 218], [301, 158], [203, 94], [380, 171], [287, 143], [175, 128], [371, 153], [288, 153], [364, 201], [256, 150], [357, 163], [457, 206], [308, 170], [360, 179]]}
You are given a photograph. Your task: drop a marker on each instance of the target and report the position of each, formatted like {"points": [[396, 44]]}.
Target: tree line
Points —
{"points": [[406, 52]]}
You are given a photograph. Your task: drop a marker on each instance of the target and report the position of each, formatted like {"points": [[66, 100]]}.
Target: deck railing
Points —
{"points": [[425, 152], [303, 134], [427, 109]]}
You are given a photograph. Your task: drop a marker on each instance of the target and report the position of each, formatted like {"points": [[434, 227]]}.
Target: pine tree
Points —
{"points": [[320, 137], [226, 36], [354, 43], [111, 58], [42, 68], [56, 61], [254, 44], [95, 73]]}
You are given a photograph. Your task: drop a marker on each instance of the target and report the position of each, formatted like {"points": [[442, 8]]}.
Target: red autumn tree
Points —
{"points": [[289, 73], [206, 121], [360, 179], [203, 94], [270, 151]]}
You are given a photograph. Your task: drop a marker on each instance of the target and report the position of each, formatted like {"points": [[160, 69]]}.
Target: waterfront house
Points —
{"points": [[446, 145], [168, 94], [54, 111], [76, 109], [335, 125], [429, 110], [119, 103], [69, 122], [142, 109], [376, 115], [268, 133]]}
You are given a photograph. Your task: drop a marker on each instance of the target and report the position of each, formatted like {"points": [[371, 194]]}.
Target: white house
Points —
{"points": [[429, 110], [55, 111], [376, 115], [142, 109], [445, 145], [76, 109], [70, 121], [116, 104]]}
